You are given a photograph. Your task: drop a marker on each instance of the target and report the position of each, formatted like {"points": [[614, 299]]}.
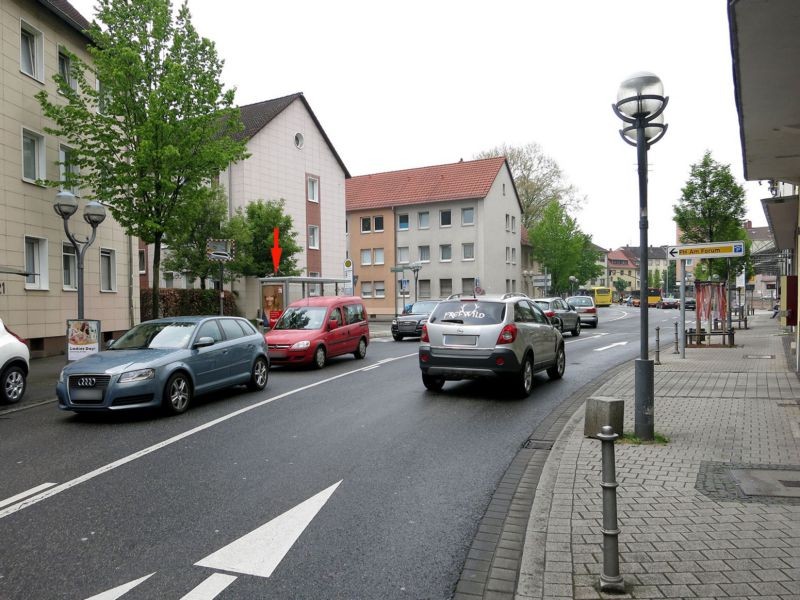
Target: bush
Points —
{"points": [[175, 302]]}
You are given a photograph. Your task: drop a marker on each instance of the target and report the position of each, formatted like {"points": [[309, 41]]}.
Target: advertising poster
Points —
{"points": [[83, 338]]}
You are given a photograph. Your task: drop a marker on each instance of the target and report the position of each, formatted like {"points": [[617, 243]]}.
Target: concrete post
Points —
{"points": [[610, 579], [675, 351]]}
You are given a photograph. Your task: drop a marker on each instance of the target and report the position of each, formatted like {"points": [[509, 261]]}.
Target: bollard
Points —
{"points": [[610, 579], [676, 338], [658, 345]]}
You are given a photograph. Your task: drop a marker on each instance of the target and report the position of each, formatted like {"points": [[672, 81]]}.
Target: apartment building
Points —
{"points": [[38, 264], [434, 231]]}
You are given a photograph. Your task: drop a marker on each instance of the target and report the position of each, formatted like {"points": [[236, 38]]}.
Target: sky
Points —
{"points": [[399, 85]]}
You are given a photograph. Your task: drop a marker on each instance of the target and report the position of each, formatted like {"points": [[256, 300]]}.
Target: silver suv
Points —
{"points": [[14, 356], [490, 336]]}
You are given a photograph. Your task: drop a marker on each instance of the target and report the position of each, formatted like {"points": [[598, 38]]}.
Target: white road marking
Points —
{"points": [[149, 450], [211, 587], [260, 551], [611, 346], [22, 495], [623, 315], [119, 591], [795, 425], [585, 338]]}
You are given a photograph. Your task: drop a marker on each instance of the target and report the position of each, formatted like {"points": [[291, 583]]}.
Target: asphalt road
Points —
{"points": [[349, 482]]}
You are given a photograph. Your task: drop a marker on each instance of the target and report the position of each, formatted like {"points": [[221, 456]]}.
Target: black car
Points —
{"points": [[410, 323], [690, 304]]}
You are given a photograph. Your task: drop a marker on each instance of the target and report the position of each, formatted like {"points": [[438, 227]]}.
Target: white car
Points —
{"points": [[14, 357]]}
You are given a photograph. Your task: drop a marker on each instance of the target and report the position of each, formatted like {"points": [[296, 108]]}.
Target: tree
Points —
{"points": [[588, 267], [538, 179], [156, 129], [253, 229], [711, 209], [620, 284]]}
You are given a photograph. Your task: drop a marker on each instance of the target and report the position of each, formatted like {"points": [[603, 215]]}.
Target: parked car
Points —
{"points": [[587, 311], [564, 316], [165, 363], [506, 336], [669, 302], [690, 303], [410, 323], [14, 364], [313, 329]]}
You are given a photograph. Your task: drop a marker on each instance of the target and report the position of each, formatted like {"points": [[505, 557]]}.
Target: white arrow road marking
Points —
{"points": [[22, 495], [260, 551], [611, 346], [586, 337], [211, 587], [117, 592]]}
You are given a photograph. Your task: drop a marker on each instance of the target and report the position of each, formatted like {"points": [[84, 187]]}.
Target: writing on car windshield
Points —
{"points": [[468, 313]]}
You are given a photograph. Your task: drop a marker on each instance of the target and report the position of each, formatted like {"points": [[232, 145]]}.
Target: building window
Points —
{"points": [[36, 263], [312, 183], [169, 280], [468, 251], [468, 216], [513, 224], [67, 166], [468, 286], [513, 257], [142, 262], [402, 254], [31, 51], [366, 224], [445, 218], [445, 252], [313, 237], [508, 222], [102, 94], [424, 220], [402, 222], [425, 254], [366, 256], [32, 156], [504, 189], [424, 288], [508, 254], [366, 289], [378, 256], [70, 265], [380, 289], [65, 67], [445, 287], [379, 223], [108, 270]]}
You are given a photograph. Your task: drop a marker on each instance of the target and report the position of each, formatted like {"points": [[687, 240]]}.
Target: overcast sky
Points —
{"points": [[402, 85]]}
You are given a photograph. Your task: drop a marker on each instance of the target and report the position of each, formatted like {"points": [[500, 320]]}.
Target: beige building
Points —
{"points": [[38, 265]]}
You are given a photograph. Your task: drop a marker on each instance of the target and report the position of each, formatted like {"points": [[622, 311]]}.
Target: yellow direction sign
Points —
{"points": [[713, 250]]}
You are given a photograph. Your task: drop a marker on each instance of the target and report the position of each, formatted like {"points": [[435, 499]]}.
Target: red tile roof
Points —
{"points": [[457, 181]]}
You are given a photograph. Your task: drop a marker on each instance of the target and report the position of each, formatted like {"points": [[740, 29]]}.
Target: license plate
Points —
{"points": [[460, 340]]}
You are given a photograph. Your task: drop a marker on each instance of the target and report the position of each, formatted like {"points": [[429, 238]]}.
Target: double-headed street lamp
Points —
{"points": [[572, 281], [415, 267], [640, 104], [94, 213]]}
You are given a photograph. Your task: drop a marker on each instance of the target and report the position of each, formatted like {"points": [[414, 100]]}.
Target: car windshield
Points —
{"points": [[580, 301], [468, 313], [421, 308], [160, 334], [302, 317]]}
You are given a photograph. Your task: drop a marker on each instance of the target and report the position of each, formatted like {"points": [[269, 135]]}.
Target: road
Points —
{"points": [[349, 482]]}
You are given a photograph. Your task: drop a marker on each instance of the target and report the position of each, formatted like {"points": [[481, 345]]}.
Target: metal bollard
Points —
{"points": [[658, 345], [676, 339], [610, 579]]}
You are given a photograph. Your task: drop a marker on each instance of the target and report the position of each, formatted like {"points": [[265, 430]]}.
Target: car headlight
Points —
{"points": [[61, 376], [301, 345], [394, 321], [140, 375], [422, 322]]}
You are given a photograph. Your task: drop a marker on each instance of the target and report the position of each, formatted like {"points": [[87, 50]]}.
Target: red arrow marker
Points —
{"points": [[276, 250]]}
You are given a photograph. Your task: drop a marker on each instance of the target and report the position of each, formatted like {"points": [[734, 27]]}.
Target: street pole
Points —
{"points": [[221, 288]]}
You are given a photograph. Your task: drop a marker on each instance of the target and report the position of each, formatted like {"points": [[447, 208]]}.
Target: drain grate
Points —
{"points": [[538, 444]]}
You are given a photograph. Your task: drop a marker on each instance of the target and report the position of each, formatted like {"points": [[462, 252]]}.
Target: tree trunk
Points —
{"points": [[156, 274]]}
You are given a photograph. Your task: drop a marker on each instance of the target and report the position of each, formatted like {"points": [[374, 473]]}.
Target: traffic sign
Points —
{"points": [[397, 269], [712, 250]]}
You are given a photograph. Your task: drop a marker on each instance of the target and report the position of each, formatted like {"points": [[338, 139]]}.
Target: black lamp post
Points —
{"points": [[415, 267], [94, 213], [640, 104]]}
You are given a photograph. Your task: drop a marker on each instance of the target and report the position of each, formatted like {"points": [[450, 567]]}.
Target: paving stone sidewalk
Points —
{"points": [[688, 527]]}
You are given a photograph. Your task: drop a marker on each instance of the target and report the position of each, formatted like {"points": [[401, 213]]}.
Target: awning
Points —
{"points": [[781, 215]]}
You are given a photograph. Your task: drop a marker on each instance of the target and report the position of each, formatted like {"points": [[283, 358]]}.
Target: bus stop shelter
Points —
{"points": [[278, 292]]}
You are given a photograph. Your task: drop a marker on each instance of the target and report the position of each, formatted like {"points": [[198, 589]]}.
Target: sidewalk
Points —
{"points": [[687, 528]]}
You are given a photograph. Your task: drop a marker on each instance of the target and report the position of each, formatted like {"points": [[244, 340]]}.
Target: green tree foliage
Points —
{"points": [[158, 127], [711, 209], [538, 179], [620, 284], [253, 230], [562, 248]]}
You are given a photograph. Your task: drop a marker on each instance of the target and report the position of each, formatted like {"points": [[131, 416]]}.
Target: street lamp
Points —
{"points": [[572, 281], [94, 213], [640, 104], [415, 267]]}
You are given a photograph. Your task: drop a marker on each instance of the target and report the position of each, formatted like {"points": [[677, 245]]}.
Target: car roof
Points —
{"points": [[189, 318], [550, 299], [325, 300]]}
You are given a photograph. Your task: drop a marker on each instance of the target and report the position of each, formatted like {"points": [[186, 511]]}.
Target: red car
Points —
{"points": [[668, 302]]}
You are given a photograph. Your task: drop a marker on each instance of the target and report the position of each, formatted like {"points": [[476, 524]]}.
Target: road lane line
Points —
{"points": [[611, 346], [586, 337], [22, 495], [211, 587], [149, 450]]}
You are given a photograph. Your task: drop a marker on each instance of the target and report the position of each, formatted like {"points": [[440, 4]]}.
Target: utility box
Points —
{"points": [[601, 411]]}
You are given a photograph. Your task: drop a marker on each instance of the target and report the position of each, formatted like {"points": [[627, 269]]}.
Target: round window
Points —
{"points": [[299, 140]]}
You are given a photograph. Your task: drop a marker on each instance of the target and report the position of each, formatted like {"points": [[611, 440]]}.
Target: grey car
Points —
{"points": [[165, 363], [506, 336], [563, 314], [410, 323]]}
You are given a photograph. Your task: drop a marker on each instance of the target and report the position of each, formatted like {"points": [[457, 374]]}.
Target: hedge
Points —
{"points": [[174, 302]]}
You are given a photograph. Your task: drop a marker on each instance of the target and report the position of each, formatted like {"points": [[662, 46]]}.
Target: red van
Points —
{"points": [[312, 329]]}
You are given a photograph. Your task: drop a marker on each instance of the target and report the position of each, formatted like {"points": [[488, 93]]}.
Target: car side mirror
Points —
{"points": [[204, 341]]}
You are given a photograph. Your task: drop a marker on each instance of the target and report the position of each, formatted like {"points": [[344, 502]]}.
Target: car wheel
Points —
{"points": [[361, 350], [557, 370], [577, 330], [259, 375], [397, 337], [177, 394], [13, 382], [434, 384], [319, 357], [524, 383]]}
